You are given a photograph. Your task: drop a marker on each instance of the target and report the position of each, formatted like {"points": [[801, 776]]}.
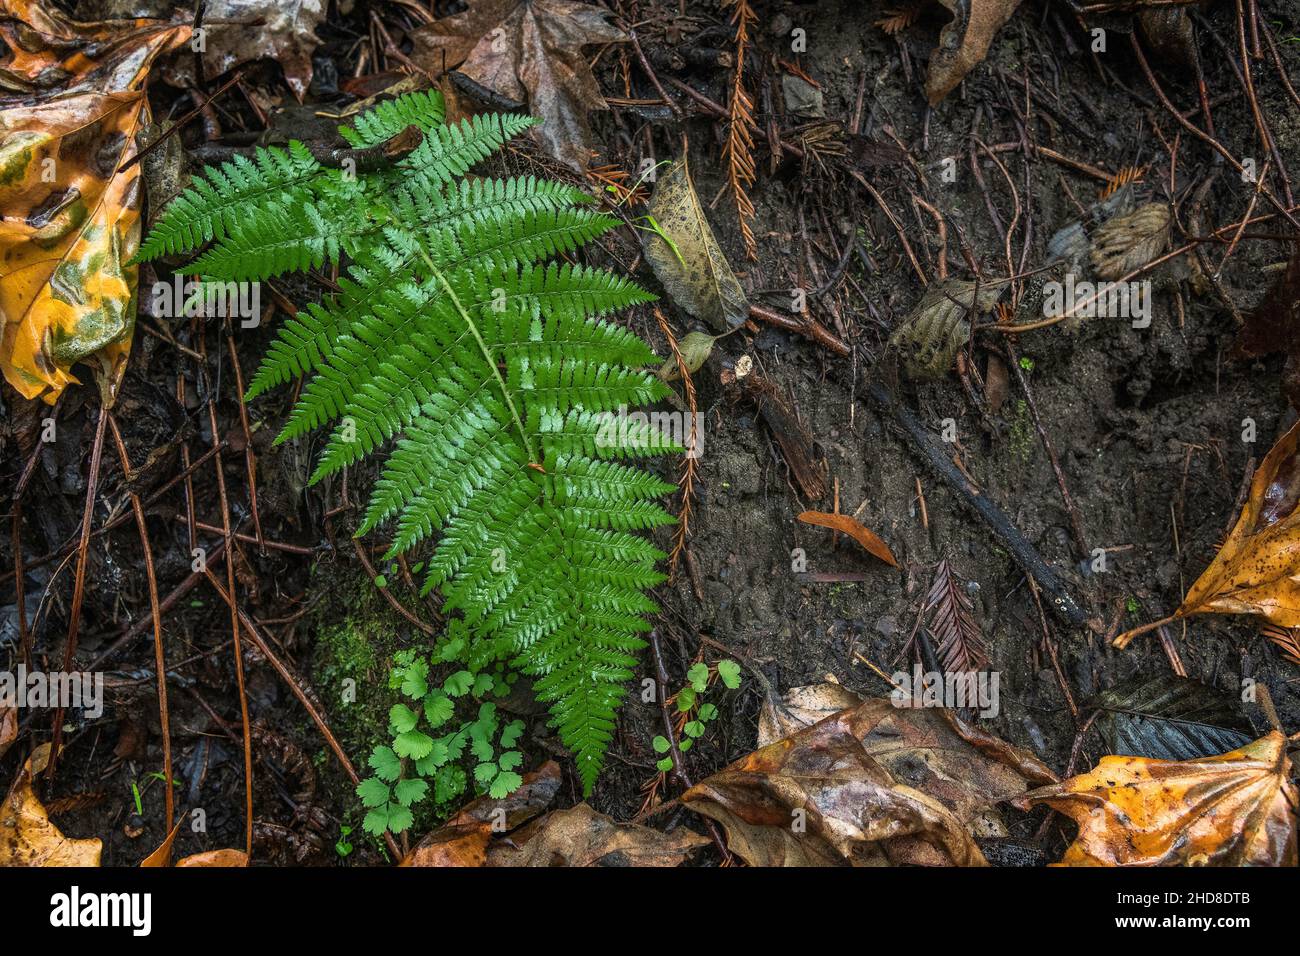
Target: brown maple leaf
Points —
{"points": [[242, 30], [528, 51], [1229, 810]]}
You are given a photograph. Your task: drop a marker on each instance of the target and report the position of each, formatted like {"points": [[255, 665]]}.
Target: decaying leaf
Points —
{"points": [[239, 31], [580, 836], [930, 335], [1235, 809], [162, 857], [1129, 242], [71, 221], [27, 837], [964, 42], [1168, 32], [1257, 571], [463, 840], [1274, 326], [874, 784], [1170, 718], [686, 258], [215, 859], [854, 529], [528, 51], [801, 707]]}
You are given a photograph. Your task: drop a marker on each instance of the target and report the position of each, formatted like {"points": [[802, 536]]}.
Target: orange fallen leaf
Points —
{"points": [[964, 42], [8, 727], [1257, 571], [27, 837], [854, 529], [215, 858], [1235, 809], [71, 221]]}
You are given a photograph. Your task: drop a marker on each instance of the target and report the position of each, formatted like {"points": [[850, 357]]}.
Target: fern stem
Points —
{"points": [[487, 353]]}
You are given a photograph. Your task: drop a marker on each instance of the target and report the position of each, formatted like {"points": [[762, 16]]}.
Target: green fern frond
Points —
{"points": [[459, 336], [217, 203]]}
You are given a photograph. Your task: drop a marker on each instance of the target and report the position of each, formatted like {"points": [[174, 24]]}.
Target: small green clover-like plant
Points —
{"points": [[429, 750], [693, 712]]}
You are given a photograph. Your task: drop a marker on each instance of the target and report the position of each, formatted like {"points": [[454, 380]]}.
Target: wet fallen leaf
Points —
{"points": [[854, 529], [1169, 33], [527, 51], [801, 707], [1129, 242], [580, 836], [1257, 571], [27, 837], [695, 348], [1230, 810], [463, 840], [874, 784], [215, 859], [1170, 718], [686, 258], [1274, 326], [964, 42], [242, 30], [71, 221]]}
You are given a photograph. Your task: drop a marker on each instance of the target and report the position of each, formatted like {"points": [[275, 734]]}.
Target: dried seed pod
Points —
{"points": [[928, 339], [1129, 242]]}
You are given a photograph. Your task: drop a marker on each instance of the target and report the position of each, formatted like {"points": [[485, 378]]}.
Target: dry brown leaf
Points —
{"points": [[872, 785], [286, 34], [1129, 242], [580, 836], [215, 859], [1230, 810], [463, 840], [854, 529], [527, 51], [802, 707], [1257, 571], [27, 837], [964, 42], [692, 267], [71, 220]]}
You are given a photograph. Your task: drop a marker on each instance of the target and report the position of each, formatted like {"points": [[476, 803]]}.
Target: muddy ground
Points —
{"points": [[1147, 424]]}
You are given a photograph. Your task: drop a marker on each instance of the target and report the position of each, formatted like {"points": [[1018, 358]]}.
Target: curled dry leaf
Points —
{"points": [[874, 784], [27, 837], [1231, 810], [929, 337], [527, 51], [463, 840], [71, 221], [1257, 571], [689, 264], [580, 836], [215, 859], [854, 529], [244, 30], [964, 42], [1129, 242]]}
